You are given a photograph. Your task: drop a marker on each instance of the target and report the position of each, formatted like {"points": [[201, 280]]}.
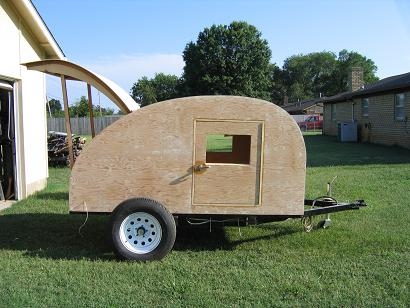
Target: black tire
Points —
{"points": [[303, 128], [142, 229]]}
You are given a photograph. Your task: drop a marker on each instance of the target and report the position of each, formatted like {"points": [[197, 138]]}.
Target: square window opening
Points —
{"points": [[228, 149]]}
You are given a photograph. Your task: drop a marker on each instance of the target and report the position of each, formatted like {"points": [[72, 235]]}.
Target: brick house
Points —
{"points": [[381, 110]]}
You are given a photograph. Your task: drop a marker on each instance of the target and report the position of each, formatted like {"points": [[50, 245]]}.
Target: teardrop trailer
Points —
{"points": [[204, 158], [158, 165]]}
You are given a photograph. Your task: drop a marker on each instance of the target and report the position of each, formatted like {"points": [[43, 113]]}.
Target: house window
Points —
{"points": [[333, 112], [365, 107], [399, 103]]}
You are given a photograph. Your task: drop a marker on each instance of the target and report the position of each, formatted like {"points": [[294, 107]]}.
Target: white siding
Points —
{"points": [[30, 93], [9, 53], [35, 129]]}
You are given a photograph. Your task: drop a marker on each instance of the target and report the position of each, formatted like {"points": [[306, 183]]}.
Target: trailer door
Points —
{"points": [[227, 162]]}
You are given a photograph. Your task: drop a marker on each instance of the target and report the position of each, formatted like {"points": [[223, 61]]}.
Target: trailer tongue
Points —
{"points": [[326, 205], [329, 205]]}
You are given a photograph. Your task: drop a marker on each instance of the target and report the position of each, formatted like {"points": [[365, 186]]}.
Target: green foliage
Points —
{"points": [[102, 111], [235, 60], [149, 91], [362, 260], [307, 76], [81, 109], [228, 60], [54, 107], [349, 59], [278, 88]]}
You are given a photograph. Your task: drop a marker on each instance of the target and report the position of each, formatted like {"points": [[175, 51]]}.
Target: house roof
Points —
{"points": [[389, 84], [300, 106], [39, 29]]}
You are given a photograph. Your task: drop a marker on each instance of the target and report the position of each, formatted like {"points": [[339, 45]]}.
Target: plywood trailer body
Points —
{"points": [[152, 153], [202, 156]]}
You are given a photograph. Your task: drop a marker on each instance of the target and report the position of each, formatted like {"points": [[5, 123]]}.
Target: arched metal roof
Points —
{"points": [[76, 72]]}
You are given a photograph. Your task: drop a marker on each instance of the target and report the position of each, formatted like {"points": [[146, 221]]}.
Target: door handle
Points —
{"points": [[200, 167]]}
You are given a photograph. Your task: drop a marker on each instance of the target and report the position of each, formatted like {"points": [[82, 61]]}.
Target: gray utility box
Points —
{"points": [[347, 131]]}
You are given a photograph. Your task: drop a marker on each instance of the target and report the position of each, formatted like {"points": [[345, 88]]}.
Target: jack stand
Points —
{"points": [[328, 222]]}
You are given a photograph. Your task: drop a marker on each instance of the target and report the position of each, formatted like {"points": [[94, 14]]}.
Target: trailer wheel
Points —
{"points": [[142, 229]]}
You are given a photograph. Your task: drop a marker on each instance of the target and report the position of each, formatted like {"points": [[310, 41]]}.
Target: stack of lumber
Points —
{"points": [[58, 148]]}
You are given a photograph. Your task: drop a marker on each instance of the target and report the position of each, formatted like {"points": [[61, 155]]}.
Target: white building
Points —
{"points": [[23, 127]]}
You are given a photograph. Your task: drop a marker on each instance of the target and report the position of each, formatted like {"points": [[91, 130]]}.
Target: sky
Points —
{"points": [[125, 40]]}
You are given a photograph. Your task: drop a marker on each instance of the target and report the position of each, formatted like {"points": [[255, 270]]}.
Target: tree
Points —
{"points": [[306, 76], [319, 73], [102, 111], [278, 87], [149, 91], [349, 59], [54, 107], [81, 109], [229, 60]]}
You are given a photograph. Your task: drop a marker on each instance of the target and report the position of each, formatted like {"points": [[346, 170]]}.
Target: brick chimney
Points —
{"points": [[355, 78]]}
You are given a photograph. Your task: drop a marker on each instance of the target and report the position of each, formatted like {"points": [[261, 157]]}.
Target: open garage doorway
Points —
{"points": [[7, 143]]}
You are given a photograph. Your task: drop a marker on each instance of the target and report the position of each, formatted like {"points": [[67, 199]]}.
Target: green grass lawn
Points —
{"points": [[362, 260]]}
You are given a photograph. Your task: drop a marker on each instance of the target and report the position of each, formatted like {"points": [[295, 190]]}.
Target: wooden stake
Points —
{"points": [[67, 122], [90, 108]]}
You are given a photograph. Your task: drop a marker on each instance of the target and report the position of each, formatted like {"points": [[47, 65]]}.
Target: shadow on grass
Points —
{"points": [[328, 151], [56, 236], [273, 230], [200, 238]]}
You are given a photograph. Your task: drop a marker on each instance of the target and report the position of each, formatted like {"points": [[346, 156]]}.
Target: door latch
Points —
{"points": [[200, 167]]}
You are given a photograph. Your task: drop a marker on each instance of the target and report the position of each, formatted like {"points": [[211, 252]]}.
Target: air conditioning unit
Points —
{"points": [[347, 131]]}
